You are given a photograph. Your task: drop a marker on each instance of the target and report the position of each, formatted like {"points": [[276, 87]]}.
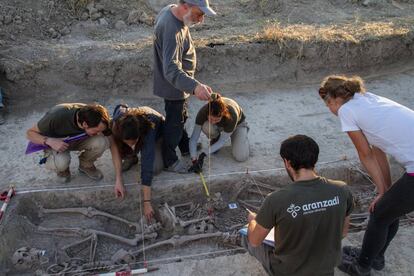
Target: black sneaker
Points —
{"points": [[351, 267], [127, 163], [2, 116], [214, 140], [353, 252]]}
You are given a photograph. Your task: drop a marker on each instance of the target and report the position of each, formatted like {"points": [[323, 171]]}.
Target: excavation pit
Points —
{"points": [[87, 231]]}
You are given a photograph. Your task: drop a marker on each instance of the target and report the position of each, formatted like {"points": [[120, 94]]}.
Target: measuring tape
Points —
{"points": [[204, 184]]}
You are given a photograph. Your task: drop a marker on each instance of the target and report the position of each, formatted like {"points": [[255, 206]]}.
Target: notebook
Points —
{"points": [[269, 240]]}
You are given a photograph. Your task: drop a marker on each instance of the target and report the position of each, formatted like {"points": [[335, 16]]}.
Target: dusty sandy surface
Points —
{"points": [[274, 111], [272, 115]]}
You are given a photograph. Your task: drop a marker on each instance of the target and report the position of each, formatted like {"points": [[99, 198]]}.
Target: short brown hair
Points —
{"points": [[93, 114], [338, 86]]}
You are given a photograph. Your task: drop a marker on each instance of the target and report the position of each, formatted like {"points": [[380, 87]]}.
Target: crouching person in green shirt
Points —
{"points": [[222, 119], [68, 120], [310, 217]]}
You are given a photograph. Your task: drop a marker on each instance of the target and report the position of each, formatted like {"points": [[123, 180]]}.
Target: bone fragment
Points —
{"points": [[86, 232], [178, 241], [91, 212]]}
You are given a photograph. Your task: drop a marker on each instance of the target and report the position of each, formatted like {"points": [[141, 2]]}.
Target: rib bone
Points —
{"points": [[248, 205]]}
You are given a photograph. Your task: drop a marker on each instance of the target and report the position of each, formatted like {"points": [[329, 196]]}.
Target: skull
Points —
{"points": [[123, 257], [26, 258]]}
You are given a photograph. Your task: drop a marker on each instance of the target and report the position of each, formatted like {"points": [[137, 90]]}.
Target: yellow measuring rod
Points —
{"points": [[204, 184]]}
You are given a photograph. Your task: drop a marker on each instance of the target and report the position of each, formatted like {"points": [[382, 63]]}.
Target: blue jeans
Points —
{"points": [[176, 114], [383, 222], [1, 98]]}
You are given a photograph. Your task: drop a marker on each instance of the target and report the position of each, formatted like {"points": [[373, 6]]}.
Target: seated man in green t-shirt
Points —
{"points": [[310, 217], [68, 120]]}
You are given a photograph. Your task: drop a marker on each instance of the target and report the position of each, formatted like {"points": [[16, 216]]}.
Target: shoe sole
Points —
{"points": [[129, 167], [91, 177], [376, 266]]}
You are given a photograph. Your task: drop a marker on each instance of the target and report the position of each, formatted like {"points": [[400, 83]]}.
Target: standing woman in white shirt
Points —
{"points": [[377, 126]]}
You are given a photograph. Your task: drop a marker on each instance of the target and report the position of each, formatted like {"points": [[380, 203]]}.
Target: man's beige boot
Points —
{"points": [[91, 172]]}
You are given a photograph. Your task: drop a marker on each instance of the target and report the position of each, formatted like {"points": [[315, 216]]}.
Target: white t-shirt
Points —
{"points": [[386, 124]]}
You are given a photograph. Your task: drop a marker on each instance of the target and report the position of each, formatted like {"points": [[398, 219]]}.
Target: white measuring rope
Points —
{"points": [[209, 150], [257, 186], [141, 204], [161, 180]]}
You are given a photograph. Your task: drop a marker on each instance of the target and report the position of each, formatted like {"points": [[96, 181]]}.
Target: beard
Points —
{"points": [[188, 21], [290, 174]]}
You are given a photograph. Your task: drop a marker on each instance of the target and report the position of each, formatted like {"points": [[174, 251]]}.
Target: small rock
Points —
{"points": [[17, 18], [133, 17], [136, 16], [366, 3], [92, 11], [100, 7], [65, 31], [1, 18], [96, 16], [146, 19], [53, 33], [120, 25], [90, 6], [7, 19], [103, 22], [84, 16]]}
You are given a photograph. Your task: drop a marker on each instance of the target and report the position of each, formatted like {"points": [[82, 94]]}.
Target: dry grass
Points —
{"points": [[76, 7], [353, 33]]}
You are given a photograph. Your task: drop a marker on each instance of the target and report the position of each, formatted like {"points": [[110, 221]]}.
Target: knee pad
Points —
{"points": [[60, 161], [99, 143]]}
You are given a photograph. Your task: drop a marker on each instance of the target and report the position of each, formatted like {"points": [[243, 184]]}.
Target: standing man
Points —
{"points": [[68, 120], [310, 217], [174, 67]]}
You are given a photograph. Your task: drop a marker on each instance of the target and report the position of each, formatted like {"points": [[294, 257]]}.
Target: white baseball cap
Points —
{"points": [[203, 5]]}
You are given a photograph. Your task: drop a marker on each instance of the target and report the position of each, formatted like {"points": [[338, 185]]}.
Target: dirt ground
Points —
{"points": [[267, 55], [266, 133]]}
